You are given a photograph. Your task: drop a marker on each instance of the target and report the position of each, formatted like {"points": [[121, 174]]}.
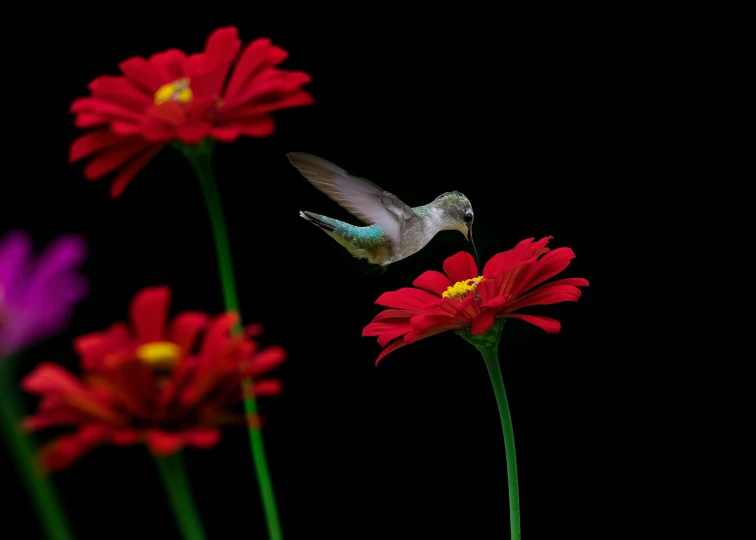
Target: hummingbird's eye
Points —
{"points": [[468, 217]]}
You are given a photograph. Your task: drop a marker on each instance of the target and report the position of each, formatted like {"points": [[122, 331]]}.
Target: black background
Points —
{"points": [[633, 423]]}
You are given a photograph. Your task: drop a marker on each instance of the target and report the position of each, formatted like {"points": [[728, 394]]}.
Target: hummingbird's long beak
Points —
{"points": [[475, 251]]}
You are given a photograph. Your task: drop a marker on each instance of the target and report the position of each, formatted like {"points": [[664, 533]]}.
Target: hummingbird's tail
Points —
{"points": [[318, 220]]}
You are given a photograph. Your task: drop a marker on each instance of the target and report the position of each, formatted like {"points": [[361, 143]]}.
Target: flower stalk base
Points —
{"points": [[488, 346], [21, 447], [200, 156], [173, 475]]}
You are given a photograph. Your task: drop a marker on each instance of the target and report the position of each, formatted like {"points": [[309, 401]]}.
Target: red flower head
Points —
{"points": [[175, 97], [150, 383], [460, 299]]}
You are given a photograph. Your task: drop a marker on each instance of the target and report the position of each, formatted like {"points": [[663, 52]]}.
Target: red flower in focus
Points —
{"points": [[175, 97], [150, 383], [511, 280]]}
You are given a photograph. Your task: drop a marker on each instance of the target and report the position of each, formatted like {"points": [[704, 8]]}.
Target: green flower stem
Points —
{"points": [[22, 448], [200, 157], [491, 357], [173, 475], [488, 346]]}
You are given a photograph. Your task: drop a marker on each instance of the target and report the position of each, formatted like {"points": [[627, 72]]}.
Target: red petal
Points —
{"points": [[126, 175], [226, 133], [186, 327], [171, 112], [263, 127], [482, 322], [391, 348], [60, 416], [408, 298], [111, 159], [64, 451], [213, 353], [460, 267], [417, 336], [49, 378], [217, 335], [267, 359], [87, 120], [220, 50], [171, 64], [125, 437], [93, 142], [268, 387], [550, 293], [424, 322], [149, 311], [390, 334], [378, 328], [549, 325], [254, 329], [92, 347], [396, 314], [257, 56], [546, 267], [433, 281], [523, 251], [468, 308], [140, 71], [193, 133], [111, 111], [163, 443], [269, 89], [263, 107], [202, 438], [121, 92]]}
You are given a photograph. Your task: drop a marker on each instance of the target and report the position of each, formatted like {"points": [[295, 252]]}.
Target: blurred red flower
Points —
{"points": [[175, 97], [461, 298], [150, 383]]}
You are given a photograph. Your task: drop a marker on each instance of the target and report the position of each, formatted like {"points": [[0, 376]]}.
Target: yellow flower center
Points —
{"points": [[159, 354], [175, 91], [461, 288]]}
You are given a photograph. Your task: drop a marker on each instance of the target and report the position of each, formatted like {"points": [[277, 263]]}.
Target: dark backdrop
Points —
{"points": [[571, 124]]}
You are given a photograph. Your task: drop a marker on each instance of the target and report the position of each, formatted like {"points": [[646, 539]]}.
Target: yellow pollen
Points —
{"points": [[159, 354], [175, 91], [461, 288]]}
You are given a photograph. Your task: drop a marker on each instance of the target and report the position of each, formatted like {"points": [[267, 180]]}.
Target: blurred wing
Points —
{"points": [[359, 196]]}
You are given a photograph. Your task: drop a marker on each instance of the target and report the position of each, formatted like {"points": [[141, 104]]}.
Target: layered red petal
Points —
{"points": [[168, 402], [460, 267], [513, 279]]}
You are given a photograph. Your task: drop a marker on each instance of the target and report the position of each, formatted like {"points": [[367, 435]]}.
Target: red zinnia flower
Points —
{"points": [[464, 299], [172, 96], [149, 383]]}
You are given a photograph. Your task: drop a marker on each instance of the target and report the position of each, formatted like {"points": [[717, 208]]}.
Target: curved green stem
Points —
{"points": [[200, 157], [173, 475], [491, 358], [22, 449]]}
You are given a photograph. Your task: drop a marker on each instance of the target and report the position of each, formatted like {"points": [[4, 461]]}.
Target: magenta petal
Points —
{"points": [[38, 296]]}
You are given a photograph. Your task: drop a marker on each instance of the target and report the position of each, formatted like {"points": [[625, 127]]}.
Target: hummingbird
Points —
{"points": [[394, 230]]}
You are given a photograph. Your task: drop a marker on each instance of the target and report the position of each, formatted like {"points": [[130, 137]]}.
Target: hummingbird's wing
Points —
{"points": [[359, 196]]}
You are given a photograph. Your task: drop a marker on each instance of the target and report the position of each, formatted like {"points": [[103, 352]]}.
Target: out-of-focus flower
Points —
{"points": [[37, 295], [461, 298], [173, 96], [151, 383]]}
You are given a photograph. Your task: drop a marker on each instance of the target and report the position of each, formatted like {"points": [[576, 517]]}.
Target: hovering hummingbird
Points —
{"points": [[395, 231]]}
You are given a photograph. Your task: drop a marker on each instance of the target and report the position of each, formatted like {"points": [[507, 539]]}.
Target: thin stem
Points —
{"points": [[491, 358], [22, 449], [200, 157], [173, 475]]}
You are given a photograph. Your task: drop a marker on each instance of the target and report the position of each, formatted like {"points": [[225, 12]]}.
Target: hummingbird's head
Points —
{"points": [[459, 214]]}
